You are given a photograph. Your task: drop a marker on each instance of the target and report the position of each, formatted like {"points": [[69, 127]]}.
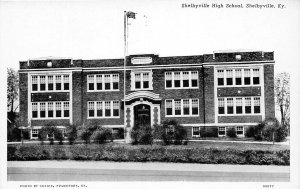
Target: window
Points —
{"points": [[168, 79], [116, 107], [196, 131], [239, 105], [182, 107], [58, 82], [195, 106], [34, 81], [50, 109], [142, 81], [238, 77], [42, 83], [177, 107], [221, 106], [186, 107], [115, 81], [99, 82], [247, 77], [248, 105], [239, 130], [34, 133], [186, 79], [255, 76], [103, 109], [229, 105], [137, 80], [229, 77], [107, 109], [66, 82], [99, 109], [66, 109], [145, 80], [222, 131], [169, 107], [50, 83], [177, 79], [42, 109], [194, 78], [256, 105], [34, 110], [91, 109], [90, 82], [58, 109], [220, 76], [107, 82]]}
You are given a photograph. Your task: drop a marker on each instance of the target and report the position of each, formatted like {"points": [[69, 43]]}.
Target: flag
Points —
{"points": [[131, 15]]}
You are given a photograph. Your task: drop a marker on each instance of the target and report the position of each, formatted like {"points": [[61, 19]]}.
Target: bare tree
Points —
{"points": [[12, 89], [282, 95]]}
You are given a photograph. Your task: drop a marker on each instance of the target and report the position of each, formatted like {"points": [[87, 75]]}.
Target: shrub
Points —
{"points": [[208, 131], [250, 132], [231, 132], [141, 135], [42, 135], [85, 132], [273, 130], [14, 134], [101, 135], [119, 134], [170, 132], [71, 133]]}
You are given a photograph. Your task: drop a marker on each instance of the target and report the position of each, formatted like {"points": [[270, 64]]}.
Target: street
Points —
{"points": [[133, 171]]}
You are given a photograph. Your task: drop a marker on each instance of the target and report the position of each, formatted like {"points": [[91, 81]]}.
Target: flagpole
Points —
{"points": [[124, 77]]}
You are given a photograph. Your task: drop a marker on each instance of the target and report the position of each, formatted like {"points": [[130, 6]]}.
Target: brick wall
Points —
{"points": [[23, 98], [269, 91]]}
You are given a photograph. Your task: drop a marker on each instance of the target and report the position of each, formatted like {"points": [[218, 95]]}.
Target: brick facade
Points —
{"points": [[195, 98]]}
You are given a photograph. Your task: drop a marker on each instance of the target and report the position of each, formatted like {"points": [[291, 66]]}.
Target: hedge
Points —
{"points": [[147, 153]]}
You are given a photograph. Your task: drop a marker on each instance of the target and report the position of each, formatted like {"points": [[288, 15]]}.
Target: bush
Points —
{"points": [[101, 135], [141, 135], [71, 133], [250, 132], [119, 134], [231, 132], [51, 131], [208, 131], [170, 132], [85, 132], [14, 134], [273, 130]]}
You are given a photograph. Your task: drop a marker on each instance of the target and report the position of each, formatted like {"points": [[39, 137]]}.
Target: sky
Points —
{"points": [[95, 30]]}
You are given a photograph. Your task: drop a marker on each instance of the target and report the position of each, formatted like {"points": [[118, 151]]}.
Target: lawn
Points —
{"points": [[194, 152]]}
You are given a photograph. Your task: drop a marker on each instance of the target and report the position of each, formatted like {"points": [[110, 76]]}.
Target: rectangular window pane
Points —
{"points": [[58, 82], [99, 109], [50, 82], [238, 77], [116, 107], [185, 77], [137, 80], [186, 107], [34, 110], [66, 82], [221, 130], [177, 79], [248, 105], [91, 108], [50, 109], [99, 82], [169, 107], [229, 105], [220, 75], [256, 76], [66, 109], [196, 131], [195, 106], [239, 106], [240, 130], [256, 105], [42, 109], [194, 77], [107, 109], [146, 80], [221, 105], [168, 79], [42, 83], [229, 76], [116, 81], [247, 75], [177, 107], [58, 109]]}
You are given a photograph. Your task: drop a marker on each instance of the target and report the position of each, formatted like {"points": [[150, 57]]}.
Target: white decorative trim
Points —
{"points": [[217, 125], [142, 94]]}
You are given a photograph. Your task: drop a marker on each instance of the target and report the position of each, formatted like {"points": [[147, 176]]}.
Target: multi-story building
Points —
{"points": [[219, 90]]}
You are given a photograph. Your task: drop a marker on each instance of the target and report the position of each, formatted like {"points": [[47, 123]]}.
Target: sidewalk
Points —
{"points": [[161, 166]]}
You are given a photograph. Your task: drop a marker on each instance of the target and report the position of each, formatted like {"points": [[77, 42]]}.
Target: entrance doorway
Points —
{"points": [[142, 115]]}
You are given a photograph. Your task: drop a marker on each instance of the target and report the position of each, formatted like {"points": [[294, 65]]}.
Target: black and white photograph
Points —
{"points": [[152, 94]]}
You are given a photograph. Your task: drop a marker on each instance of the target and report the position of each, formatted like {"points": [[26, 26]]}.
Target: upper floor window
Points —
{"points": [[185, 79], [238, 77], [103, 82], [239, 105], [182, 107], [141, 81], [104, 109], [46, 83]]}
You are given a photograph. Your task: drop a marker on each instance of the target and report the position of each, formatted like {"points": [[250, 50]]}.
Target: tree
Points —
{"points": [[282, 97], [12, 88]]}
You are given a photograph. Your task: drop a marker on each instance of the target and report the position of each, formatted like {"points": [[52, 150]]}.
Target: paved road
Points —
{"points": [[112, 171]]}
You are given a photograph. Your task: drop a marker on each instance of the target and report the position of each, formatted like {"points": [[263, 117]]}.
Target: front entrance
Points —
{"points": [[142, 116]]}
